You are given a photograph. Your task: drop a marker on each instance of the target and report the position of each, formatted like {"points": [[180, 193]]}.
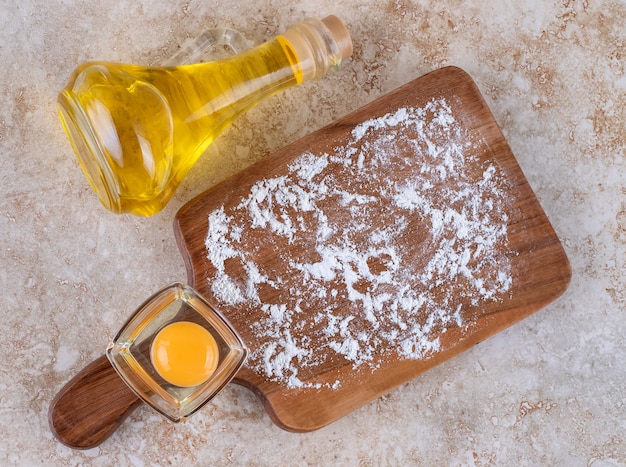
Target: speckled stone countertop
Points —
{"points": [[550, 390]]}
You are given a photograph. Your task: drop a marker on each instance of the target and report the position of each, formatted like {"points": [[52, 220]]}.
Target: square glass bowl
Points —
{"points": [[131, 351]]}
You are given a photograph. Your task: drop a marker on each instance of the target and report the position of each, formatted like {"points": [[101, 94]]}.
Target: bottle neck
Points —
{"points": [[305, 52], [315, 46]]}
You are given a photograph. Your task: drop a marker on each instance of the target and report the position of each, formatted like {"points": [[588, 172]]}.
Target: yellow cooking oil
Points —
{"points": [[137, 130]]}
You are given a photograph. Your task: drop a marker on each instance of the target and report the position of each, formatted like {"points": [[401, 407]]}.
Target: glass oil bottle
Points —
{"points": [[137, 130]]}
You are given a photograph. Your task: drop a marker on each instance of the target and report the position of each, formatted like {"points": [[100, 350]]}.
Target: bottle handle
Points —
{"points": [[212, 44]]}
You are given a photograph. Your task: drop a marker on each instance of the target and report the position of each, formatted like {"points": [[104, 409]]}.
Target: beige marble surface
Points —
{"points": [[548, 391]]}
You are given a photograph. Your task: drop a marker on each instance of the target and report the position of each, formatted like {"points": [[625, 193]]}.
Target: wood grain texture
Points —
{"points": [[539, 266], [91, 406]]}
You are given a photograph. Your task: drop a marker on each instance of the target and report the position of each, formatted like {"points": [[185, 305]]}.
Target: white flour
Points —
{"points": [[399, 231]]}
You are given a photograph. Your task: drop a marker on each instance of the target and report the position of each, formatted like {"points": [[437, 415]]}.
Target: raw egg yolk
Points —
{"points": [[184, 354]]}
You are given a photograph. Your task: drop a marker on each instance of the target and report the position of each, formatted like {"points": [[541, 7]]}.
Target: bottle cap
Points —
{"points": [[340, 33]]}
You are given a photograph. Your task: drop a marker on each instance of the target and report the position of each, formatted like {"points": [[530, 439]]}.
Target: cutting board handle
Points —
{"points": [[91, 406]]}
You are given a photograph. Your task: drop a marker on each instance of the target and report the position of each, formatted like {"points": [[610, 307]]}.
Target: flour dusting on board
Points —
{"points": [[393, 242]]}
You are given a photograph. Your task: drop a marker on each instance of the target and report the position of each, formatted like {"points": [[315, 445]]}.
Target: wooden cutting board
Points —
{"points": [[373, 249]]}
